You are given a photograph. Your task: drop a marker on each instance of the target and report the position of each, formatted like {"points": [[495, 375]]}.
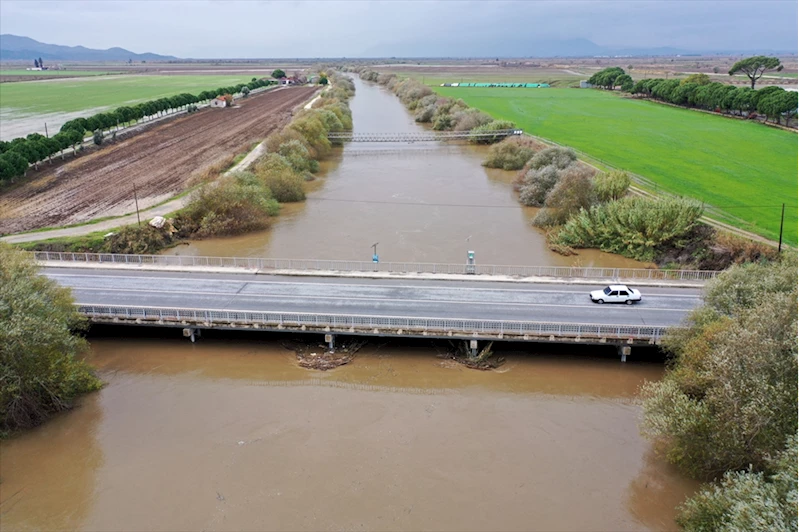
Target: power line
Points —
{"points": [[472, 205], [417, 203]]}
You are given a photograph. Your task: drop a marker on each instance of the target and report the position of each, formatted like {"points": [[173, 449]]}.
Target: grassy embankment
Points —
{"points": [[28, 98], [741, 168]]}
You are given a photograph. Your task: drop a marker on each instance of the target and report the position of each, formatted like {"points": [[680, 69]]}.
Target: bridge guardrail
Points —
{"points": [[267, 264], [361, 323], [419, 136]]}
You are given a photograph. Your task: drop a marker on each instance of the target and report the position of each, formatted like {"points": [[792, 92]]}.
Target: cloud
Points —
{"points": [[309, 28]]}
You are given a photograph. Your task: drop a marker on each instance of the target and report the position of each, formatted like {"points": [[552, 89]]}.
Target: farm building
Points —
{"points": [[219, 101], [585, 85]]}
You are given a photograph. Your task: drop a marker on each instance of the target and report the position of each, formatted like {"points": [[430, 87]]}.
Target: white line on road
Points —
{"points": [[350, 297]]}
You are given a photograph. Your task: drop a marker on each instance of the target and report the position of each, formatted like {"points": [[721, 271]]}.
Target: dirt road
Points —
{"points": [[159, 162]]}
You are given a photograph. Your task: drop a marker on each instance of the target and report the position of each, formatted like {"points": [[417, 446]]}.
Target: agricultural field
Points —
{"points": [[436, 75], [51, 73], [160, 162], [26, 106], [743, 168]]}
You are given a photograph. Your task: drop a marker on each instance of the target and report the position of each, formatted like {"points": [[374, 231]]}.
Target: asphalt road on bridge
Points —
{"points": [[489, 300]]}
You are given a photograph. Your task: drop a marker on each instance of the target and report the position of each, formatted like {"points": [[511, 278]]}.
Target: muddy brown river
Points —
{"points": [[422, 202], [230, 434]]}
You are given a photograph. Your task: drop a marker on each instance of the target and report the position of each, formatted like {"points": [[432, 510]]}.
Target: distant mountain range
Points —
{"points": [[13, 47]]}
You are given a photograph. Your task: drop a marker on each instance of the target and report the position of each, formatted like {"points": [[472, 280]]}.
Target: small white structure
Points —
{"points": [[158, 222], [219, 101], [585, 85]]}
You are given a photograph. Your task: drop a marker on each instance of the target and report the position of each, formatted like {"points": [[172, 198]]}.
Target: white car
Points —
{"points": [[616, 293]]}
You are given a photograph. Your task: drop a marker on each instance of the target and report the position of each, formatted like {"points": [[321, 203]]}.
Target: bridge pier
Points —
{"points": [[331, 341], [192, 332], [473, 348], [624, 350]]}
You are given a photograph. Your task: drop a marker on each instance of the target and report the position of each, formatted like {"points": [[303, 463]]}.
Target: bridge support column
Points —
{"points": [[191, 333], [624, 350], [331, 341], [473, 348]]}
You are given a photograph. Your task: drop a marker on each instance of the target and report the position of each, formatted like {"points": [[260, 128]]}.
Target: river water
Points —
{"points": [[230, 434], [422, 202]]}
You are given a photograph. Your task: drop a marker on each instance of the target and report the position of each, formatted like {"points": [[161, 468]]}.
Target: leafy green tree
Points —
{"points": [[606, 78], [323, 80], [97, 137], [777, 103], [277, 74], [625, 82], [17, 163], [40, 372], [245, 91], [746, 500], [699, 79], [729, 401], [755, 67]]}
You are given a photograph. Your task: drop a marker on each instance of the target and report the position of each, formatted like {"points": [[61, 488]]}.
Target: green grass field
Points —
{"points": [[743, 168], [26, 98]]}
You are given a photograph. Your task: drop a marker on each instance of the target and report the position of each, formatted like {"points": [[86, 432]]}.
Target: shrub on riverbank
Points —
{"points": [[728, 402], [635, 227], [285, 186], [41, 372], [611, 186], [511, 154], [491, 127], [236, 204]]}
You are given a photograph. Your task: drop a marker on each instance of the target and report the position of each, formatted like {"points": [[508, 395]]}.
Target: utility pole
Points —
{"points": [[136, 199], [46, 134], [782, 222]]}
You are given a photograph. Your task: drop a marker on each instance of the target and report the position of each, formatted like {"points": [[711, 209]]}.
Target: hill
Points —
{"points": [[14, 47]]}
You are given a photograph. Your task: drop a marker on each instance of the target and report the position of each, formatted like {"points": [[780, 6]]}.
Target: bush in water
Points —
{"points": [[635, 227], [511, 154]]}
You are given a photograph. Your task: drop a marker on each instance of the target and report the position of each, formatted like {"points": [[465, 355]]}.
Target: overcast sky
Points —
{"points": [[302, 28]]}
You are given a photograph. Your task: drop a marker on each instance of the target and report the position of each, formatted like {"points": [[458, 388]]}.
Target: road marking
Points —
{"points": [[296, 299], [582, 289]]}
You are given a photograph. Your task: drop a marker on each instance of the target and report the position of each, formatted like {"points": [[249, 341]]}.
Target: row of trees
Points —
{"points": [[17, 155], [697, 91], [775, 103]]}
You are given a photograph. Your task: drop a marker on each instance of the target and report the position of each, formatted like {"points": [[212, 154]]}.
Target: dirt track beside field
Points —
{"points": [[159, 162]]}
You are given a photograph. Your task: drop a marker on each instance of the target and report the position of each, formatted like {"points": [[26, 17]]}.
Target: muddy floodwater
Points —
{"points": [[230, 434], [422, 202]]}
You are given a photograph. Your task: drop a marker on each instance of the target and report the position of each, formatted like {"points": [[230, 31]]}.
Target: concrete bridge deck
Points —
{"points": [[383, 307]]}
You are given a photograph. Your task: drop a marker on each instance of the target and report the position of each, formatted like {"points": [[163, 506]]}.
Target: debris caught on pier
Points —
{"points": [[320, 356], [483, 360]]}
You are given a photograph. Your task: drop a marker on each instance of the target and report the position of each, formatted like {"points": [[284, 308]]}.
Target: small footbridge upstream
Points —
{"points": [[423, 136], [454, 301]]}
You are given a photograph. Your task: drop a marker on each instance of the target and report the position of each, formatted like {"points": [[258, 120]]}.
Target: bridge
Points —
{"points": [[434, 308], [422, 136]]}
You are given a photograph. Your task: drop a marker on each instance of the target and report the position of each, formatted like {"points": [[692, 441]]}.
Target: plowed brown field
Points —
{"points": [[159, 162]]}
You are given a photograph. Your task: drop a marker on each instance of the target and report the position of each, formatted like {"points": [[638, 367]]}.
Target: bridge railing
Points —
{"points": [[360, 323], [320, 265], [419, 135]]}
